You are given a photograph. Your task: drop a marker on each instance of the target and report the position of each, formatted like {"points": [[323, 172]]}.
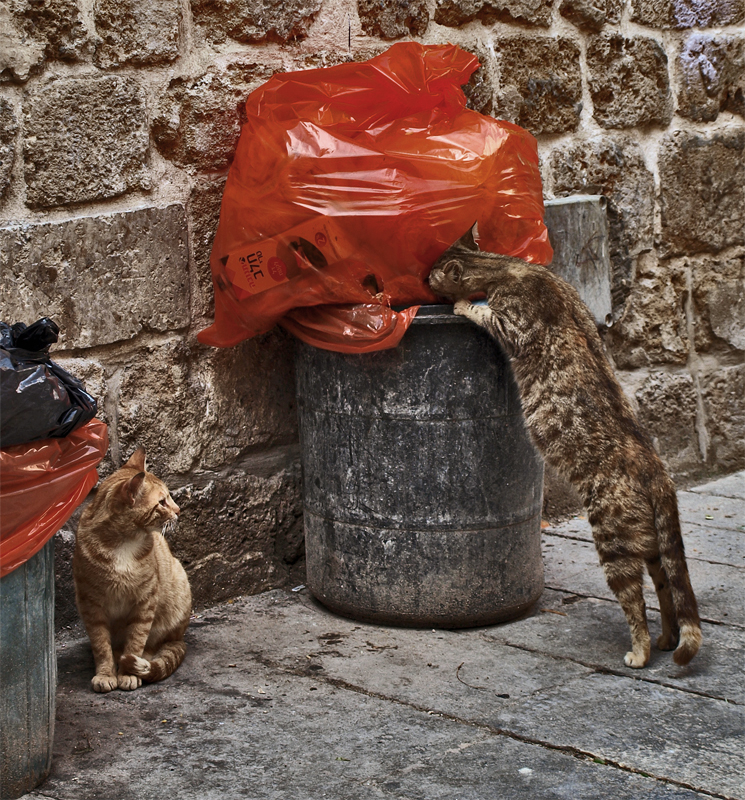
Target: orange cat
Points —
{"points": [[132, 594]]}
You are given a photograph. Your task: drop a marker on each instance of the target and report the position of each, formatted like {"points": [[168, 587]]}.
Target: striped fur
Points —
{"points": [[581, 422], [132, 594]]}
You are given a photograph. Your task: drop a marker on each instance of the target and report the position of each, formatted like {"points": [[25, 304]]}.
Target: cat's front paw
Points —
{"points": [[129, 682], [104, 683], [460, 308]]}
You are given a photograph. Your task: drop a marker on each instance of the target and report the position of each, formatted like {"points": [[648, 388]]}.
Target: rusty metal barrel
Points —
{"points": [[422, 491]]}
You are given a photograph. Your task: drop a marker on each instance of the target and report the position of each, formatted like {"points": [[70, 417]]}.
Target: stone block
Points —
{"points": [[198, 120], [199, 408], [653, 327], [32, 31], [545, 75], [591, 15], [85, 139], [102, 279], [702, 191], [136, 32], [251, 21], [204, 214], [8, 131], [683, 14], [239, 533], [629, 82], [712, 75], [667, 411], [480, 90], [617, 170], [578, 231], [719, 303], [455, 13], [392, 19], [723, 390], [65, 610]]}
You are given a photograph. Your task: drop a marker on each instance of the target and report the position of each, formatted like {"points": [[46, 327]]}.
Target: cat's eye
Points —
{"points": [[163, 501]]}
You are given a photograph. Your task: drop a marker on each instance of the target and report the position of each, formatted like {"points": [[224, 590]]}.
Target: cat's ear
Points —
{"points": [[453, 269], [131, 488], [468, 240], [138, 460]]}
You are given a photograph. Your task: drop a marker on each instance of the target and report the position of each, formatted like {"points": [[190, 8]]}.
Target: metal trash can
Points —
{"points": [[28, 674], [422, 490]]}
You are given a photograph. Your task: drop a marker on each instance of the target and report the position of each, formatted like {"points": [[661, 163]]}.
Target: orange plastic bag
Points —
{"points": [[41, 485], [349, 182]]}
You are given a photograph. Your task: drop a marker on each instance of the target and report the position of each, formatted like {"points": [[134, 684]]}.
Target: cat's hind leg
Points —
{"points": [[624, 573], [670, 631]]}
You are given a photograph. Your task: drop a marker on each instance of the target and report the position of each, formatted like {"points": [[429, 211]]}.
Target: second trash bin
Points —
{"points": [[422, 490]]}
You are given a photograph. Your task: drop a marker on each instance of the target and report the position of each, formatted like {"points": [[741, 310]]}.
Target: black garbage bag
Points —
{"points": [[38, 399]]}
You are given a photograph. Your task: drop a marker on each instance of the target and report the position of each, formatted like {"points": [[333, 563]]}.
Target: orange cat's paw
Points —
{"points": [[104, 683], [129, 682]]}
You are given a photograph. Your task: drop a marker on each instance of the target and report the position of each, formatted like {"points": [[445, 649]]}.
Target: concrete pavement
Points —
{"points": [[280, 699]]}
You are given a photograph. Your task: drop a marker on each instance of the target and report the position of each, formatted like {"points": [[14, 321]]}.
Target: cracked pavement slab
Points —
{"points": [[279, 698]]}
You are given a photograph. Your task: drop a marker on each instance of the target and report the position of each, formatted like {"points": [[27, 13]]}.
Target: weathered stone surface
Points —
{"points": [[239, 533], [702, 191], [723, 390], [137, 32], [392, 19], [204, 214], [687, 13], [629, 82], [251, 21], [719, 302], [34, 30], [615, 169], [480, 90], [545, 73], [102, 279], [198, 120], [65, 611], [20, 55], [591, 15], [653, 327], [8, 131], [85, 139], [712, 77], [455, 13], [667, 411], [198, 408]]}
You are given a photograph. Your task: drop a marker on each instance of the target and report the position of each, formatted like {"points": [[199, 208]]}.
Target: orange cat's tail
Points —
{"points": [[672, 557], [163, 664]]}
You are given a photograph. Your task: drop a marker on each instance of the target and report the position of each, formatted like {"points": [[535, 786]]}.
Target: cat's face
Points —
{"points": [[447, 275], [445, 278], [146, 497]]}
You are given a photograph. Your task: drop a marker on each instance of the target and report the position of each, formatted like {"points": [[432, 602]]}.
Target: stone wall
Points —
{"points": [[118, 119]]}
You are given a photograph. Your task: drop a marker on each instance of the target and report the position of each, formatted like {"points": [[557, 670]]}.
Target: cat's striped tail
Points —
{"points": [[672, 557], [163, 664]]}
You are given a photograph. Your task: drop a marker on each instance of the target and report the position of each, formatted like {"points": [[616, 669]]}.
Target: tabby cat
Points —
{"points": [[580, 420], [132, 594]]}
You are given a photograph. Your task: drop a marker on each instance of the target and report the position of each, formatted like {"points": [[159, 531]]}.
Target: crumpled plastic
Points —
{"points": [[41, 485], [349, 182], [38, 399]]}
